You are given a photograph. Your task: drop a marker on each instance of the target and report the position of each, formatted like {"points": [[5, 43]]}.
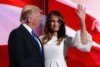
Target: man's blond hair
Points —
{"points": [[27, 11]]}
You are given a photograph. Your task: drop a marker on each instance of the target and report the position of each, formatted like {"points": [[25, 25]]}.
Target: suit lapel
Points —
{"points": [[25, 31]]}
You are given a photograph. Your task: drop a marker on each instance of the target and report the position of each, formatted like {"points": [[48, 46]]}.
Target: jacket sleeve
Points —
{"points": [[16, 49]]}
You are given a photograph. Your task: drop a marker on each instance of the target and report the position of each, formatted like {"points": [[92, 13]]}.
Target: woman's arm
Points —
{"points": [[82, 15], [82, 40]]}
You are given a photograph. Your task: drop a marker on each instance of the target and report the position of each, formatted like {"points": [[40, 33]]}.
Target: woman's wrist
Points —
{"points": [[82, 20]]}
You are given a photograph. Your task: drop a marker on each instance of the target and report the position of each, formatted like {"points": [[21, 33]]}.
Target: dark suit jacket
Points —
{"points": [[23, 50]]}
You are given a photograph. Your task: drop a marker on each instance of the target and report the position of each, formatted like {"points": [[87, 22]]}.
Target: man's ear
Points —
{"points": [[29, 19]]}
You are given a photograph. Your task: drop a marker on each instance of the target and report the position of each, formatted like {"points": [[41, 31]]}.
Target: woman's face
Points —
{"points": [[54, 23]]}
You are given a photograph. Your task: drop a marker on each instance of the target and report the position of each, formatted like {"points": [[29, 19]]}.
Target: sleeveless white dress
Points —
{"points": [[54, 54]]}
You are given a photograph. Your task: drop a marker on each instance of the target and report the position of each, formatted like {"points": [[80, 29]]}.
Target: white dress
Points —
{"points": [[54, 54]]}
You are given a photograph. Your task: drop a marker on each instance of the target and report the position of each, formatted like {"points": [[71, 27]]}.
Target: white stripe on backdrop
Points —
{"points": [[9, 20]]}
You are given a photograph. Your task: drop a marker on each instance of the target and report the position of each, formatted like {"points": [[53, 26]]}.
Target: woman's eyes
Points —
{"points": [[52, 20], [55, 21], [58, 21]]}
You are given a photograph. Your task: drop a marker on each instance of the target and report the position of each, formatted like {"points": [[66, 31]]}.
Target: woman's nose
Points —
{"points": [[56, 23]]}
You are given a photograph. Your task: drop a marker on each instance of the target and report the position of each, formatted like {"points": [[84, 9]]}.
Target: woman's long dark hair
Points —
{"points": [[47, 31]]}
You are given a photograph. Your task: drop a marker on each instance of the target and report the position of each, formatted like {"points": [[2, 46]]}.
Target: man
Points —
{"points": [[25, 49]]}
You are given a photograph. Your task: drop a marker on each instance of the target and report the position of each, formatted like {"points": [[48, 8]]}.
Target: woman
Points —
{"points": [[56, 42]]}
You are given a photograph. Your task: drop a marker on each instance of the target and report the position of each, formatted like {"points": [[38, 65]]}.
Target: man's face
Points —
{"points": [[35, 19]]}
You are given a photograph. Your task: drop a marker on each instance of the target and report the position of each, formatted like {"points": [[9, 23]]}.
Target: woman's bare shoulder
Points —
{"points": [[41, 36]]}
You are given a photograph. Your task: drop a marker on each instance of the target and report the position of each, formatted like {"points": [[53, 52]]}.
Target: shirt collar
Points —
{"points": [[27, 27]]}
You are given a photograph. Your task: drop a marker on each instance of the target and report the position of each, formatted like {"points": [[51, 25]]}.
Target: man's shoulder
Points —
{"points": [[16, 30]]}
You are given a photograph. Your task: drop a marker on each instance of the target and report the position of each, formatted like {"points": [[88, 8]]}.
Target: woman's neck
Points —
{"points": [[55, 34]]}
